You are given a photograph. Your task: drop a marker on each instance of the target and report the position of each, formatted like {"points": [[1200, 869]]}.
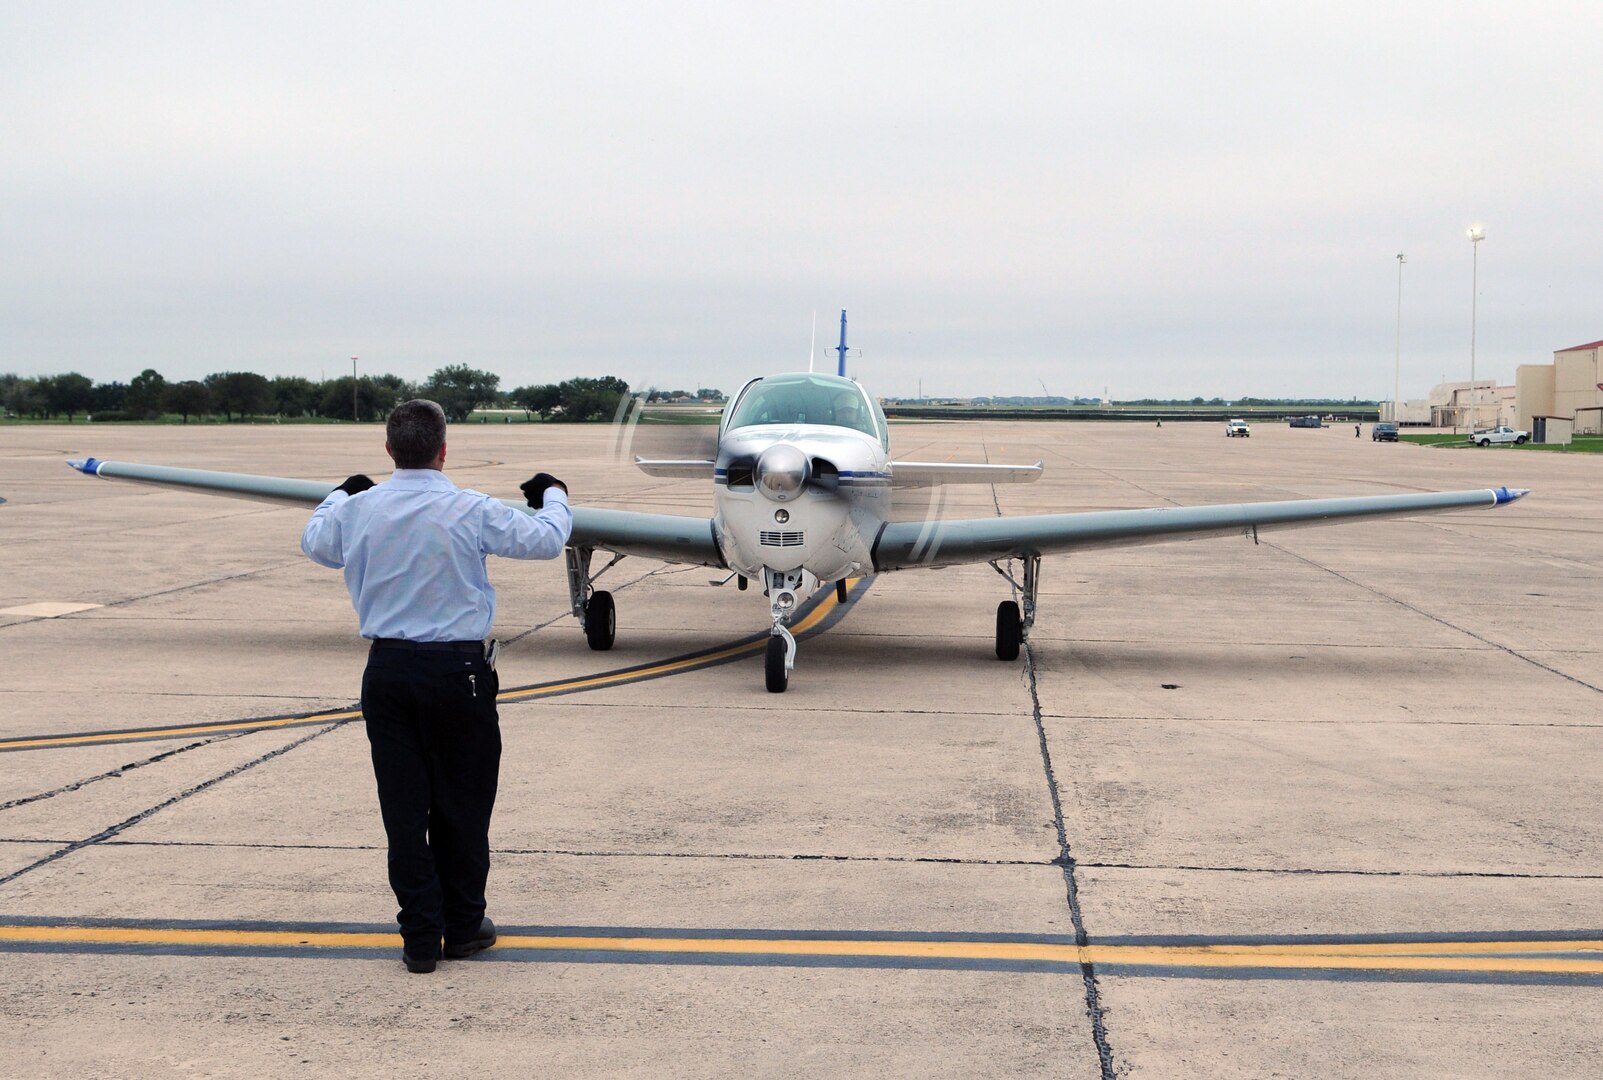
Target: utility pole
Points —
{"points": [[1397, 374], [356, 415], [1476, 235]]}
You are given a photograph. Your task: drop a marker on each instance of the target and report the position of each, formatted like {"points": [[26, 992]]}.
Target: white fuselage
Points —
{"points": [[826, 524]]}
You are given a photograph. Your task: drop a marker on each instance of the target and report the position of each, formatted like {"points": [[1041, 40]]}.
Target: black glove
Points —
{"points": [[534, 488], [355, 484]]}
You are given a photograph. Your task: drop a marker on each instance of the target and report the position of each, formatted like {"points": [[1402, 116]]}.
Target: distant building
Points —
{"points": [[1571, 386], [1456, 404]]}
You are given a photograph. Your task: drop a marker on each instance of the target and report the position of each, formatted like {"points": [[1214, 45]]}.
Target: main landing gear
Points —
{"points": [[594, 609], [1012, 626]]}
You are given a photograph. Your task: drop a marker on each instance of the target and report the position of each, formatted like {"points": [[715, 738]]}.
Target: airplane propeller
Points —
{"points": [[663, 432]]}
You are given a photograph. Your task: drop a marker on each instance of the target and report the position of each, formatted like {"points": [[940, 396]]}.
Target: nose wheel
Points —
{"points": [[780, 658]]}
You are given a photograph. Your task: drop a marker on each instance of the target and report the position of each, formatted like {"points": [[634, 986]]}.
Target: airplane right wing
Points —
{"points": [[906, 545], [690, 469], [668, 537]]}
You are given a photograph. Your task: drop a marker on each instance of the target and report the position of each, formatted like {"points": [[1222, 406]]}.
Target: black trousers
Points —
{"points": [[436, 743]]}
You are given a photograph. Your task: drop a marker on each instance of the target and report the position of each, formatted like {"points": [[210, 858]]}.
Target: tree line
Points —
{"points": [[240, 395]]}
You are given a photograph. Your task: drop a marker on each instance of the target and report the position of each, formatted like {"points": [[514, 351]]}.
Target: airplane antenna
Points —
{"points": [[812, 347], [841, 348]]}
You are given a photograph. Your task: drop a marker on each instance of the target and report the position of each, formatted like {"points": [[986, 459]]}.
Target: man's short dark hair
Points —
{"points": [[416, 431]]}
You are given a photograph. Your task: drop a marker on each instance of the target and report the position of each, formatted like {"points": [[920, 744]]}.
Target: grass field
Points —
{"points": [[1583, 444]]}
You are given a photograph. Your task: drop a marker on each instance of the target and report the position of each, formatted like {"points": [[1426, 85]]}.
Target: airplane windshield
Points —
{"points": [[804, 399]]}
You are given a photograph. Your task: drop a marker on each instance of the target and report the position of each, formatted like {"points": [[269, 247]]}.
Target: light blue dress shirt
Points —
{"points": [[413, 551]]}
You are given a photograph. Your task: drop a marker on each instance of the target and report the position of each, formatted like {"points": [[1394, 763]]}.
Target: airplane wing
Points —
{"points": [[911, 474], [698, 469], [668, 537], [910, 544], [904, 474]]}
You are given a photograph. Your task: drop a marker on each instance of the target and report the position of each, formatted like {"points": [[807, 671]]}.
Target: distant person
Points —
{"points": [[1358, 430], [413, 550]]}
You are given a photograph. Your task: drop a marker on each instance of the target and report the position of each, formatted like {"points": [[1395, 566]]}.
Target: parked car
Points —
{"points": [[1500, 435], [1383, 432], [1237, 427], [1306, 421]]}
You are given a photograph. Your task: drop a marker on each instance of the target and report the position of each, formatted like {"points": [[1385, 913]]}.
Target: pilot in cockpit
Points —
{"points": [[849, 412]]}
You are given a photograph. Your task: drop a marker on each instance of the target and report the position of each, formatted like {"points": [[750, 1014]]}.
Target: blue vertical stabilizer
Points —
{"points": [[841, 348]]}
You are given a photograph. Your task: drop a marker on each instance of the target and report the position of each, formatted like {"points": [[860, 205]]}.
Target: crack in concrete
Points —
{"points": [[168, 592], [108, 775], [665, 568], [128, 823], [1093, 995], [583, 853], [1316, 871], [1434, 618], [1065, 860], [935, 860]]}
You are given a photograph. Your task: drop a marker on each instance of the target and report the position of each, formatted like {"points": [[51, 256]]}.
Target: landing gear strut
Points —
{"points": [[1012, 627], [780, 659], [596, 612]]}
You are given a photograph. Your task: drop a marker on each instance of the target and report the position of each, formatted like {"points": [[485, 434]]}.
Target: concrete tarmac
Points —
{"points": [[1320, 806]]}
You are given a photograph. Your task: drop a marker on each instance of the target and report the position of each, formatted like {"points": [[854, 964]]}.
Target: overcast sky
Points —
{"points": [[1162, 199]]}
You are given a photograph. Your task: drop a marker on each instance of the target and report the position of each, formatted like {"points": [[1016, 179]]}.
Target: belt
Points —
{"points": [[429, 646]]}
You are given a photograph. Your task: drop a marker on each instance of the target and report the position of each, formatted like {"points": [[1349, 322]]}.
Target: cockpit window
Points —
{"points": [[805, 399]]}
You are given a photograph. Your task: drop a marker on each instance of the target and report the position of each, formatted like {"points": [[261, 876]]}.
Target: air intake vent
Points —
{"points": [[781, 539]]}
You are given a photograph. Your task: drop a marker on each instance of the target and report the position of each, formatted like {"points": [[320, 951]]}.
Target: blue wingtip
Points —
{"points": [[89, 466], [1508, 495]]}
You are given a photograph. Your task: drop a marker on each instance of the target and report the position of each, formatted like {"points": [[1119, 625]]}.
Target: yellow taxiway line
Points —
{"points": [[1465, 957], [40, 742], [590, 682]]}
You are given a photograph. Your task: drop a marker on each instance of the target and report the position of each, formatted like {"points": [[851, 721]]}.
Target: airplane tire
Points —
{"points": [[774, 665], [840, 591], [1009, 630], [601, 621]]}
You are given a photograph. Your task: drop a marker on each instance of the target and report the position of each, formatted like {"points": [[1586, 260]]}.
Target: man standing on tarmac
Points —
{"points": [[413, 550]]}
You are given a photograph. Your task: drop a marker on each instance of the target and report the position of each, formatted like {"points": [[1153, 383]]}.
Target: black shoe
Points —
{"points": [[478, 943], [416, 963]]}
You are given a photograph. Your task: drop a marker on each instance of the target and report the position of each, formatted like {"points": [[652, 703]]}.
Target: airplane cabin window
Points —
{"points": [[805, 399]]}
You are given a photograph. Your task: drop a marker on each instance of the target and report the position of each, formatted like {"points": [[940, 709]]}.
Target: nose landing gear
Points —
{"points": [[780, 659]]}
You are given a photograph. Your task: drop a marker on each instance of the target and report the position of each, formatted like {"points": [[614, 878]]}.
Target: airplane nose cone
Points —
{"points": [[781, 472]]}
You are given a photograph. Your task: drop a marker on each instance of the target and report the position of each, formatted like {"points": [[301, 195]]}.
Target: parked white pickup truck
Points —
{"points": [[1500, 435]]}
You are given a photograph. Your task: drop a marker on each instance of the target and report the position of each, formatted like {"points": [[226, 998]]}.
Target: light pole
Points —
{"points": [[1477, 233], [1397, 373], [356, 415]]}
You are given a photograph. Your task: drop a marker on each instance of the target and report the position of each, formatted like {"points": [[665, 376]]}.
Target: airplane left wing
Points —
{"points": [[909, 544], [669, 537]]}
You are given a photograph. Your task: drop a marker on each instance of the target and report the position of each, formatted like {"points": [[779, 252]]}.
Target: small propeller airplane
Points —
{"points": [[803, 480]]}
